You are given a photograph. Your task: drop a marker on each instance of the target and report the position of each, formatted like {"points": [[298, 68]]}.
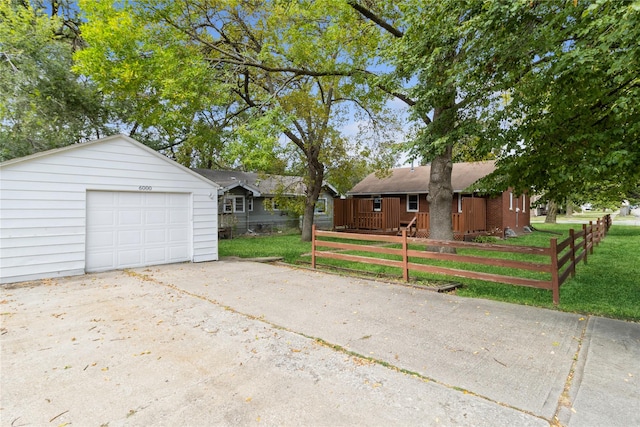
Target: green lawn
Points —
{"points": [[287, 246], [608, 285]]}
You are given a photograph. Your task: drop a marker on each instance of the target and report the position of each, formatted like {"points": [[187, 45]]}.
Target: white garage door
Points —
{"points": [[136, 229]]}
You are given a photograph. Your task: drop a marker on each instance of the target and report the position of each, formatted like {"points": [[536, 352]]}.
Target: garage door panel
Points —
{"points": [[158, 200], [129, 217], [136, 229], [155, 255], [156, 216], [174, 200], [129, 258], [135, 200], [102, 260], [104, 240], [103, 218], [129, 237], [103, 199], [155, 237]]}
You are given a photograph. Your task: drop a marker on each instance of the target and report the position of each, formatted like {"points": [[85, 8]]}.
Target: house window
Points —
{"points": [[321, 206], [250, 204], [459, 202], [377, 204], [274, 205], [412, 203], [239, 204], [227, 205], [233, 204], [524, 203]]}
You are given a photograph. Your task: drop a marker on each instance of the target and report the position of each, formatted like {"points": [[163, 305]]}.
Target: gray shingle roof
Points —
{"points": [[261, 184], [412, 180]]}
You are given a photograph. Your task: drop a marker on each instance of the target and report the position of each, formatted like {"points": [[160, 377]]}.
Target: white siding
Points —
{"points": [[43, 203]]}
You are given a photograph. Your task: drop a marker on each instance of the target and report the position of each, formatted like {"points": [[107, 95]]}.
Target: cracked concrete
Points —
{"points": [[241, 343]]}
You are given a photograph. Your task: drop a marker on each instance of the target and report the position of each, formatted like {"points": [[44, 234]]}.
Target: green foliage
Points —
{"points": [[549, 88], [486, 239], [44, 105], [270, 79], [174, 102], [572, 110]]}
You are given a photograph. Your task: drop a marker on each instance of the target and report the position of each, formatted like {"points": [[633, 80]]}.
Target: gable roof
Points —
{"points": [[412, 180], [106, 140], [261, 185]]}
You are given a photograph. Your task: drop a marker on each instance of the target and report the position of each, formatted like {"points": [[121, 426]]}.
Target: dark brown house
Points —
{"points": [[400, 200]]}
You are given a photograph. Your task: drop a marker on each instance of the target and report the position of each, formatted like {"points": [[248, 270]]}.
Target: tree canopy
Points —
{"points": [[570, 124], [548, 88], [253, 70], [43, 103]]}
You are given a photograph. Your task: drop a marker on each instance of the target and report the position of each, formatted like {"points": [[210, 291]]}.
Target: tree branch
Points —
{"points": [[375, 19]]}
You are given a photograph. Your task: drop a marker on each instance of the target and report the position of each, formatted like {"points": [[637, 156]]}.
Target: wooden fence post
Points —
{"points": [[572, 245], [591, 237], [405, 257], [313, 246], [585, 242], [600, 229], [555, 281]]}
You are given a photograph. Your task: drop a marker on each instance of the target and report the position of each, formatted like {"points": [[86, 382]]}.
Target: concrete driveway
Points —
{"points": [[243, 343]]}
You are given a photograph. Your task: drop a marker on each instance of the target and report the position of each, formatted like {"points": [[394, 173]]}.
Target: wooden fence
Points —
{"points": [[560, 258], [384, 214], [362, 213]]}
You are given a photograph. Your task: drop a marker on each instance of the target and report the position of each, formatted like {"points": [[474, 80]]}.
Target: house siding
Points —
{"points": [[264, 219], [495, 213], [43, 203], [513, 214], [502, 214]]}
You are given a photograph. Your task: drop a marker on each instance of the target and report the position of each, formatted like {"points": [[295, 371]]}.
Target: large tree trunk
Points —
{"points": [[552, 212], [569, 204], [315, 177], [440, 197]]}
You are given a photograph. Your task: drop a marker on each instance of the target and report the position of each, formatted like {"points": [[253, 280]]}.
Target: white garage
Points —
{"points": [[108, 204]]}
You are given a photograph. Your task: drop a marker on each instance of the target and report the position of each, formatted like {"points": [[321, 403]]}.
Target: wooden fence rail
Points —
{"points": [[559, 259]]}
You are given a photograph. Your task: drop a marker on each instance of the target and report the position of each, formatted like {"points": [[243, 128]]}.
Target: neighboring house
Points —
{"points": [[400, 200], [246, 201], [102, 205]]}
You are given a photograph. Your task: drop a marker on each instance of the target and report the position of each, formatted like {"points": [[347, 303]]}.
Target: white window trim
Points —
{"points": [[510, 200], [324, 211], [524, 202], [250, 204], [459, 202], [417, 202], [374, 204], [227, 208], [233, 204]]}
